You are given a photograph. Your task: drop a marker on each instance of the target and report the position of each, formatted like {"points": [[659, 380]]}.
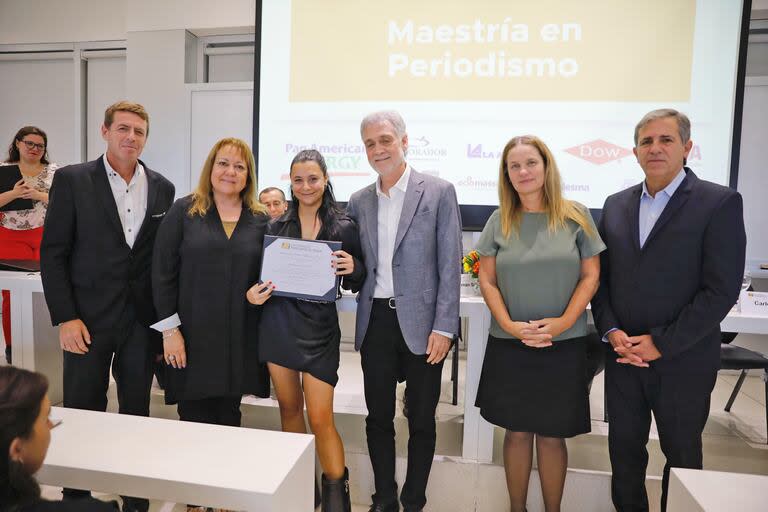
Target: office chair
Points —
{"points": [[733, 357]]}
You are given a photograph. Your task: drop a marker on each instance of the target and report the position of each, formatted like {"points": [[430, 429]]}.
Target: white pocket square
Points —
{"points": [[158, 215]]}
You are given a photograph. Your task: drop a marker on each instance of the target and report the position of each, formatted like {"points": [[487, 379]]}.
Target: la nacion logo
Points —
{"points": [[598, 151], [476, 151]]}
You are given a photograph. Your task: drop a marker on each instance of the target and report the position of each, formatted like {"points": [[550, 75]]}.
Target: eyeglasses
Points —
{"points": [[33, 145]]}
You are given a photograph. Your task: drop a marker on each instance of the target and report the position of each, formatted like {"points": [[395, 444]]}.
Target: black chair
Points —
{"points": [[740, 358]]}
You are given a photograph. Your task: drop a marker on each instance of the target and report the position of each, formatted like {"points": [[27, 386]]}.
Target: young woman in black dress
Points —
{"points": [[299, 339]]}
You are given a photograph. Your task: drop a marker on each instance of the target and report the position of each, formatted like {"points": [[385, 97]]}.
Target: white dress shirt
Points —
{"points": [[390, 209], [651, 207], [131, 199]]}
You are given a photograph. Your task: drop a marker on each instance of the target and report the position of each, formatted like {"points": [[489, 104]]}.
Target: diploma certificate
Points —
{"points": [[300, 268]]}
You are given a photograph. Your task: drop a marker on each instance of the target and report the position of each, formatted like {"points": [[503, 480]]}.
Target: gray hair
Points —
{"points": [[390, 116], [272, 189], [683, 123]]}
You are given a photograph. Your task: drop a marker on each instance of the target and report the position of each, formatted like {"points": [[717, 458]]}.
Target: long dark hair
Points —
{"points": [[21, 395], [13, 152], [329, 211]]}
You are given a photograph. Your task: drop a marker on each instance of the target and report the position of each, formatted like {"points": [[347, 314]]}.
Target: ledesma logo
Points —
{"points": [[285, 245]]}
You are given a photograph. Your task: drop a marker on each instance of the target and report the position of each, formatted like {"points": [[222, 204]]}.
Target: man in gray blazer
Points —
{"points": [[408, 307]]}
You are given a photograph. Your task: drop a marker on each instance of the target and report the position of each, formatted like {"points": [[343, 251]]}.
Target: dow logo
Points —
{"points": [[598, 151]]}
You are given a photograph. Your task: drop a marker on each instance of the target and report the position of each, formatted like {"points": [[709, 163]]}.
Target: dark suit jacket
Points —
{"points": [[203, 276], [684, 280], [88, 270]]}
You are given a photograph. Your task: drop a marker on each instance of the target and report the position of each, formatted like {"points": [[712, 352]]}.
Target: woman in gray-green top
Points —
{"points": [[539, 267]]}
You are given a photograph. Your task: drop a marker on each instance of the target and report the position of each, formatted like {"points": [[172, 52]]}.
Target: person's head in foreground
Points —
{"points": [[25, 433]]}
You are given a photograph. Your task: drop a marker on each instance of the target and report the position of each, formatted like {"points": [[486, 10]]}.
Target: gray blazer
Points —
{"points": [[426, 260]]}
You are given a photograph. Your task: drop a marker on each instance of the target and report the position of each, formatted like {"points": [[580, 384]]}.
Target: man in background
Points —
{"points": [[274, 199]]}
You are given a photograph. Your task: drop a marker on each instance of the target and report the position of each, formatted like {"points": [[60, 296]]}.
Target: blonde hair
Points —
{"points": [[202, 197], [558, 209]]}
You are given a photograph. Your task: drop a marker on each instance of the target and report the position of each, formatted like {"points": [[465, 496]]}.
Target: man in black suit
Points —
{"points": [[95, 258], [672, 271]]}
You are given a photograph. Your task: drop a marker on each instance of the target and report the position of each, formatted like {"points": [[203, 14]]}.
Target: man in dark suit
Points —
{"points": [[95, 259], [672, 271], [408, 306]]}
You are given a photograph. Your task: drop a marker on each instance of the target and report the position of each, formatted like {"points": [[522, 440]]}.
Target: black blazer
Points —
{"points": [[203, 276], [88, 270], [684, 280]]}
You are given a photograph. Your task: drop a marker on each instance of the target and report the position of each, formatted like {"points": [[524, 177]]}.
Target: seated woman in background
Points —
{"points": [[299, 339], [25, 433], [539, 268], [21, 231], [207, 254]]}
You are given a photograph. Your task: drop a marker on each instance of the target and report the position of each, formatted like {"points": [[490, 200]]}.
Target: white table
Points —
{"points": [[692, 490], [35, 340], [40, 352], [209, 465]]}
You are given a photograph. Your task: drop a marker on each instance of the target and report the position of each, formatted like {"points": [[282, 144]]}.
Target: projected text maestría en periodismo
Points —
{"points": [[496, 63]]}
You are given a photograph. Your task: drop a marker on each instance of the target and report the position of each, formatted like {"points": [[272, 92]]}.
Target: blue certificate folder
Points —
{"points": [[301, 266]]}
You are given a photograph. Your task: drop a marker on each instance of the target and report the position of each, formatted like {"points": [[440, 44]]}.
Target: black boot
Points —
{"points": [[336, 494]]}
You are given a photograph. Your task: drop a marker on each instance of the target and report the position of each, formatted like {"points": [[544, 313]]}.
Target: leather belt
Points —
{"points": [[389, 302]]}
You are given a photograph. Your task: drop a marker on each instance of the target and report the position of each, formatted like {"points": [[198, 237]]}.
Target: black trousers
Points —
{"points": [[223, 410], [385, 357], [680, 405], [86, 381]]}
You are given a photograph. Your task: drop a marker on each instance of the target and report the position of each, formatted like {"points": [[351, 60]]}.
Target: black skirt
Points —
{"points": [[539, 390], [301, 335]]}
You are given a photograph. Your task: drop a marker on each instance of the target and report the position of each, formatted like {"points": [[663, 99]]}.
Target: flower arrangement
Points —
{"points": [[471, 263]]}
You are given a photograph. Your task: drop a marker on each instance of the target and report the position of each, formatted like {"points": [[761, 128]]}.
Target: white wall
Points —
{"points": [[757, 59], [57, 21], [155, 76], [195, 15], [62, 21], [158, 39]]}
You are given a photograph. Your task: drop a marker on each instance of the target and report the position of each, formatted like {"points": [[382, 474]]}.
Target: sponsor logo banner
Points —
{"points": [[599, 151]]}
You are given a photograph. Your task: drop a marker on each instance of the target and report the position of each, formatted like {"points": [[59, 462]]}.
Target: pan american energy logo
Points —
{"points": [[598, 152]]}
